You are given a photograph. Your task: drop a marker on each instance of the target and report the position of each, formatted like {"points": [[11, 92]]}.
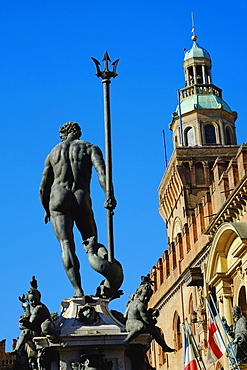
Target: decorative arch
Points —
{"points": [[177, 331], [177, 228], [228, 241]]}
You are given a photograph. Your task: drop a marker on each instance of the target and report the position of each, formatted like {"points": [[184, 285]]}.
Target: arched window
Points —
{"points": [[200, 179], [177, 331], [242, 300], [189, 137], [210, 137], [228, 136]]}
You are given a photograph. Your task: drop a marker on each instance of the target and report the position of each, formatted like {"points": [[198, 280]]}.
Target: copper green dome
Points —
{"points": [[196, 52], [203, 101]]}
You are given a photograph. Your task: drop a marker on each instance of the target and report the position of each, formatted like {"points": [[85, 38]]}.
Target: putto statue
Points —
{"points": [[140, 319], [237, 331], [65, 194], [36, 322]]}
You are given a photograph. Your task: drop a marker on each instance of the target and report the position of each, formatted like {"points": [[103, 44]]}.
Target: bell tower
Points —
{"points": [[204, 140], [202, 117]]}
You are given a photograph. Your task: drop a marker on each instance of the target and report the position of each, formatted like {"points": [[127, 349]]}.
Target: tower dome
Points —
{"points": [[196, 52], [201, 109]]}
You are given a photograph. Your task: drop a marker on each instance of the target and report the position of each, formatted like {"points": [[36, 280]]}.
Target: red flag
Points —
{"points": [[215, 344]]}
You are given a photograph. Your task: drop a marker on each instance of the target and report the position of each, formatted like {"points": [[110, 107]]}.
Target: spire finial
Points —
{"points": [[193, 37]]}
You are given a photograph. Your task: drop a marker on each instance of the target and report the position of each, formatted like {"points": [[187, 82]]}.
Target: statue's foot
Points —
{"points": [[168, 349], [78, 293]]}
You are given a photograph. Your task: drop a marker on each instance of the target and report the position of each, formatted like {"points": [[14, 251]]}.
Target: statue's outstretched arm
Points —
{"points": [[45, 187], [25, 305], [99, 164]]}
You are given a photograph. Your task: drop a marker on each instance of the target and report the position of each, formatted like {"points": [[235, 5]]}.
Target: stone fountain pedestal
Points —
{"points": [[94, 340]]}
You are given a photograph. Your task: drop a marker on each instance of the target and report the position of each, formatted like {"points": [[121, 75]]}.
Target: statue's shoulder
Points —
{"points": [[56, 147], [82, 143], [37, 308]]}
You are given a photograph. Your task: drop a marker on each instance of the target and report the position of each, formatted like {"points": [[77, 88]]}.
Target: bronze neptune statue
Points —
{"points": [[65, 194]]}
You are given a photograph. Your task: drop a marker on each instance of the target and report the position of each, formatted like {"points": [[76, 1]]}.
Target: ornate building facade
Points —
{"points": [[203, 201]]}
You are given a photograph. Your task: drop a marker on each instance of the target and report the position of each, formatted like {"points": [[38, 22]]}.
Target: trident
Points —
{"points": [[106, 75]]}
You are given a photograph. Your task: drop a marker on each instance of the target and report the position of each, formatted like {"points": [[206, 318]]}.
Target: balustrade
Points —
{"points": [[200, 89]]}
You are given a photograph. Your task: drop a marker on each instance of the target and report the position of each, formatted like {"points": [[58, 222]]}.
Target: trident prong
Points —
{"points": [[106, 74], [105, 59], [115, 66], [97, 63]]}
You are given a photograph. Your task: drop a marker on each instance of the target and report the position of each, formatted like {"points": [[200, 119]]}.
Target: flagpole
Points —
{"points": [[164, 147], [187, 333], [194, 340], [180, 118], [227, 337], [212, 315]]}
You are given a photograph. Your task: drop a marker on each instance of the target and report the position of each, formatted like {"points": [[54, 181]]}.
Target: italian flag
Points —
{"points": [[189, 354], [216, 347]]}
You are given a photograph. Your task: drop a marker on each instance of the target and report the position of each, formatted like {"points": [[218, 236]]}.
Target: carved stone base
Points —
{"points": [[94, 339]]}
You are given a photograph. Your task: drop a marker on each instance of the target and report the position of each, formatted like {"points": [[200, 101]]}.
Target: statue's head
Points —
{"points": [[144, 292], [75, 365], [33, 296], [88, 315], [70, 128], [92, 361], [236, 313]]}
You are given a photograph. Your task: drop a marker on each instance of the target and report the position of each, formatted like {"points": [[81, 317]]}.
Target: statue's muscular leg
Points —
{"points": [[24, 337], [83, 215], [156, 333], [62, 221], [63, 225], [135, 328]]}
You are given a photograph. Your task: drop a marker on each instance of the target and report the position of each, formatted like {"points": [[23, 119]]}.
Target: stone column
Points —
{"points": [[222, 133], [194, 74], [203, 75]]}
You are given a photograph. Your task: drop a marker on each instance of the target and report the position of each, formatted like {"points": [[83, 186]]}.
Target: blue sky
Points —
{"points": [[47, 78]]}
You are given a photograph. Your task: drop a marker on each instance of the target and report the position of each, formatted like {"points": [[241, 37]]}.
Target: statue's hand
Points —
{"points": [[24, 321], [22, 298], [47, 217], [110, 203]]}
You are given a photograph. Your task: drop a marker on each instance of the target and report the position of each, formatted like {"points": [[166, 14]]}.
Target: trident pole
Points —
{"points": [[106, 76]]}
